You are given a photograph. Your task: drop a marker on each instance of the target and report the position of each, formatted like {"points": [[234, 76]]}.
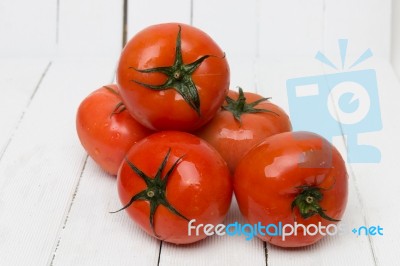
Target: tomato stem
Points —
{"points": [[240, 106], [155, 193], [119, 108], [308, 203], [111, 90], [150, 193], [179, 76]]}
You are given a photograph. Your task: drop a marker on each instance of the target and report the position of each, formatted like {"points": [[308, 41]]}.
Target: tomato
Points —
{"points": [[171, 178], [172, 77], [245, 120], [105, 129], [292, 178]]}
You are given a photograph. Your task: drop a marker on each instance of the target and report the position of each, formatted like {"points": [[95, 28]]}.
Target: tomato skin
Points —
{"points": [[166, 109], [199, 188], [105, 136], [233, 139], [268, 178]]}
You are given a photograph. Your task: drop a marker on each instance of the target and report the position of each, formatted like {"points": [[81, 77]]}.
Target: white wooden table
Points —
{"points": [[55, 202]]}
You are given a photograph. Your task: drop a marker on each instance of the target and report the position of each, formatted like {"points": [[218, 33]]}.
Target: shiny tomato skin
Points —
{"points": [[233, 139], [105, 136], [268, 179], [199, 188], [155, 46]]}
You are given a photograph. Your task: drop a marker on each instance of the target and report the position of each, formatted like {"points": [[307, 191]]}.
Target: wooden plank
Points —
{"points": [[17, 88], [236, 33], [104, 238], [290, 29], [395, 35], [90, 28], [28, 28], [217, 250], [378, 183], [142, 14], [43, 162], [362, 22]]}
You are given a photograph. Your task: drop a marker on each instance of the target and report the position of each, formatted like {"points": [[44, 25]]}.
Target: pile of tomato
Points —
{"points": [[182, 144]]}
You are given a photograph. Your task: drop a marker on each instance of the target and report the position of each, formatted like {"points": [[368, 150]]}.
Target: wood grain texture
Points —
{"points": [[89, 28], [236, 34], [142, 14], [42, 164], [290, 29], [28, 28], [395, 37], [217, 250], [378, 184], [362, 22], [19, 83], [94, 236]]}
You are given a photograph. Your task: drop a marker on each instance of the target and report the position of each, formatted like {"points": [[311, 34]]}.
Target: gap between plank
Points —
{"points": [[191, 12], [124, 22], [66, 215], [265, 252], [159, 253], [25, 109]]}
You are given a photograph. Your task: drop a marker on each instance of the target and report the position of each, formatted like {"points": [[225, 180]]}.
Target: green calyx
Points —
{"points": [[155, 192], [179, 76], [307, 202], [240, 106], [120, 107]]}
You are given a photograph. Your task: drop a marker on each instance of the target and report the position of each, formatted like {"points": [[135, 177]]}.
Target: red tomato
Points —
{"points": [[170, 178], [105, 129], [244, 121], [292, 177], [172, 77]]}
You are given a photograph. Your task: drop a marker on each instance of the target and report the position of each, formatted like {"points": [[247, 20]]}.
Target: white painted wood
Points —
{"points": [[379, 184], [217, 250], [290, 28], [237, 27], [27, 28], [142, 14], [236, 32], [90, 28], [18, 83], [43, 163], [395, 36], [93, 236], [362, 22]]}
